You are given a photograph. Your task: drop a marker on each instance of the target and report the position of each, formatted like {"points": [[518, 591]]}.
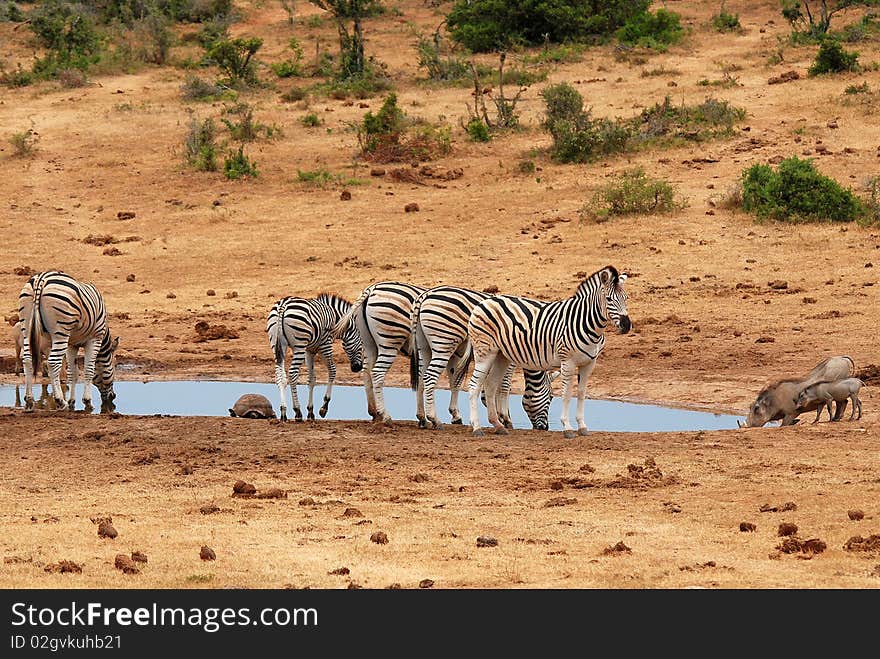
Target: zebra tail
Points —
{"points": [[276, 337], [413, 343], [34, 330], [346, 319], [461, 366]]}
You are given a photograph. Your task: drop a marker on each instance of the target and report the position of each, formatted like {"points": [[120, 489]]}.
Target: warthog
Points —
{"points": [[19, 346], [779, 400], [826, 392]]}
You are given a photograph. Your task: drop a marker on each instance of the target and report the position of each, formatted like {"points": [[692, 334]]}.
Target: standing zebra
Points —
{"points": [[382, 316], [56, 308], [306, 327], [568, 334], [439, 330]]}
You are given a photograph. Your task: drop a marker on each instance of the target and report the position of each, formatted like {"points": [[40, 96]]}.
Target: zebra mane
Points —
{"points": [[326, 296], [589, 281]]}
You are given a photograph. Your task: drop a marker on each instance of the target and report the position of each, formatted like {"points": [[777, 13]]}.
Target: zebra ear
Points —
{"points": [[622, 277], [605, 276]]}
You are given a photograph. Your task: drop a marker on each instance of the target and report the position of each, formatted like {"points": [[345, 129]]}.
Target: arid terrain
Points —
{"points": [[712, 319]]}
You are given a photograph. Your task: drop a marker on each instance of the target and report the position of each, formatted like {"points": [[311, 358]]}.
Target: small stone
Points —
{"points": [[171, 296], [619, 548], [130, 277], [380, 538], [787, 528], [747, 527], [352, 512], [426, 583], [340, 571], [411, 208], [345, 195], [138, 557], [207, 554], [125, 215], [307, 501], [125, 564], [210, 292], [855, 515], [486, 541], [106, 530], [377, 171]]}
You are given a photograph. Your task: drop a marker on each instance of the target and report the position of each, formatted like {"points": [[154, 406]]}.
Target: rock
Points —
{"points": [[106, 530], [788, 505], [380, 538], [63, 567], [307, 501], [130, 277], [125, 215], [790, 545], [858, 543], [272, 493], [209, 509], [124, 563], [747, 527], [345, 195], [111, 251], [210, 292], [587, 469], [787, 528], [616, 550], [556, 485], [486, 541], [377, 171], [240, 488], [855, 515], [559, 501], [411, 208], [491, 289], [340, 571], [352, 512], [419, 478], [813, 546], [138, 557], [207, 554], [788, 76], [426, 583]]}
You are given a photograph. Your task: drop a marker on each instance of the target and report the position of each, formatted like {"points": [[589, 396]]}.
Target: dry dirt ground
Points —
{"points": [[709, 332]]}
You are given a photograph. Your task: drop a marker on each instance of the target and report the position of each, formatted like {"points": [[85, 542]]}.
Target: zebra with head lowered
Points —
{"points": [[382, 316], [439, 331], [568, 334], [306, 327], [68, 314]]}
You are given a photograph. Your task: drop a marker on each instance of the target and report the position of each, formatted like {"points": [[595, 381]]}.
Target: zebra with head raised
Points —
{"points": [[68, 314], [382, 316], [306, 327], [568, 334], [439, 331]]}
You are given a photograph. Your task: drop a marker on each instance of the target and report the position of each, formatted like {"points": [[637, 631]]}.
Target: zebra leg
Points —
{"points": [[72, 376], [584, 373], [310, 367], [493, 386], [281, 382], [504, 397], [424, 388], [293, 380], [327, 354], [56, 356], [432, 375], [380, 370], [28, 366], [568, 371], [90, 357], [455, 382], [482, 366]]}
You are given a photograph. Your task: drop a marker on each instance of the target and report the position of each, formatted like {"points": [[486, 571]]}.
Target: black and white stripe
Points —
{"points": [[306, 327], [382, 316], [568, 334], [439, 328], [69, 314]]}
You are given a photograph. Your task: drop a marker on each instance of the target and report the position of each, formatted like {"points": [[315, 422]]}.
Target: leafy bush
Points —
{"points": [[69, 36], [857, 89], [24, 144], [632, 192], [9, 11], [478, 130], [234, 57], [19, 78], [294, 94], [70, 78], [310, 120], [486, 25], [797, 192], [238, 165], [291, 67], [667, 123], [212, 31], [199, 145], [656, 31], [725, 22], [437, 67], [195, 88], [388, 136], [833, 58], [245, 128]]}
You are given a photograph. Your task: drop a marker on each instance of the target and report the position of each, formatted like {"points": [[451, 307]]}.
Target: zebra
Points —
{"points": [[439, 330], [306, 327], [568, 334], [56, 308], [382, 316]]}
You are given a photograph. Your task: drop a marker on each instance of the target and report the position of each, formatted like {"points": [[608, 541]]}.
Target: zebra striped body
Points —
{"points": [[306, 328], [68, 314], [382, 316], [439, 326], [568, 334]]}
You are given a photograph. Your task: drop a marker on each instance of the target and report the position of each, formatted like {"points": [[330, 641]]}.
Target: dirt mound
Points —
{"points": [[641, 477], [147, 457], [747, 527], [242, 489], [380, 538], [870, 374], [855, 515], [860, 544], [63, 567], [340, 571], [616, 550], [138, 557], [272, 493], [788, 76], [794, 545], [106, 528], [352, 512], [207, 554], [124, 563], [787, 528], [207, 332], [486, 541]]}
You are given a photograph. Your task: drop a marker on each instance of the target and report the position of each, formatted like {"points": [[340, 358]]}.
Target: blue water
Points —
{"points": [[214, 398]]}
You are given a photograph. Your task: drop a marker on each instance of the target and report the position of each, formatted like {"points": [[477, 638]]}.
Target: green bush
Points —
{"points": [[857, 89], [9, 11], [632, 192], [243, 127], [725, 22], [388, 136], [310, 120], [656, 31], [234, 57], [833, 58], [24, 144], [294, 94], [487, 25], [19, 78], [478, 130], [439, 68], [69, 36], [239, 165], [199, 145], [387, 121], [292, 67], [797, 192], [668, 123], [212, 31]]}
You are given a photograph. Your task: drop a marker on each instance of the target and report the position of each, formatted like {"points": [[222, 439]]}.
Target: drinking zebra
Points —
{"points": [[568, 334], [382, 316], [68, 314], [439, 330], [306, 327]]}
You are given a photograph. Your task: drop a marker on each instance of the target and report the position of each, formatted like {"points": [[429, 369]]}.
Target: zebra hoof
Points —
{"points": [[508, 424], [283, 416], [569, 434], [479, 433], [457, 421], [297, 418], [502, 431], [436, 425], [388, 421], [423, 424], [583, 432], [323, 412], [310, 416]]}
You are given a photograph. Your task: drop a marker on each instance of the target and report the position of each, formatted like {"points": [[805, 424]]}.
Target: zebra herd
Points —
{"points": [[444, 328]]}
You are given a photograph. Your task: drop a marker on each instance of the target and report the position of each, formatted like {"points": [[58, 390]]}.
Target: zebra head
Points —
{"points": [[354, 347], [615, 298], [105, 368]]}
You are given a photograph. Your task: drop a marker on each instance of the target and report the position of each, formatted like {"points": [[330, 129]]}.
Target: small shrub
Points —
{"points": [[316, 177], [68, 34], [526, 167], [238, 165], [243, 127], [387, 121], [311, 120], [659, 71], [797, 192], [388, 136], [833, 58], [71, 78], [871, 204], [478, 130], [234, 57], [725, 22], [668, 123], [656, 31], [199, 146], [294, 94], [195, 88], [291, 67], [439, 68], [19, 78], [9, 11], [24, 144], [632, 192], [857, 89]]}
